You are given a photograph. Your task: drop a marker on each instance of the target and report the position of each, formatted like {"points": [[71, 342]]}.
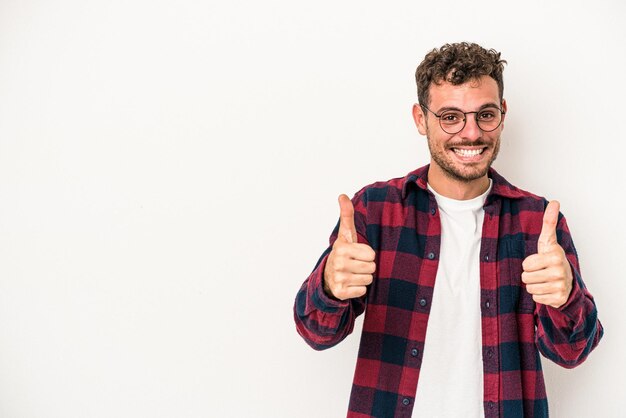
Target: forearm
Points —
{"points": [[566, 335], [321, 320]]}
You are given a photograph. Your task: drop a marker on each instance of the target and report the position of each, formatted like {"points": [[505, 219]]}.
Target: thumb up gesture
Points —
{"points": [[547, 274], [350, 265]]}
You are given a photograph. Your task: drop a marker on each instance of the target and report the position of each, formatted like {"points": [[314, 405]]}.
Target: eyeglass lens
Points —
{"points": [[453, 121]]}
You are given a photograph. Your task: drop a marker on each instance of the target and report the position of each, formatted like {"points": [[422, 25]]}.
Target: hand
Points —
{"points": [[350, 265], [547, 274]]}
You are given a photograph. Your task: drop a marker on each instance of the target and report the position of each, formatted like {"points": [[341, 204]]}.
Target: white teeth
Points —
{"points": [[468, 152]]}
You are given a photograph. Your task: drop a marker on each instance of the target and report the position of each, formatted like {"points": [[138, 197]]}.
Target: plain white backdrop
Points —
{"points": [[169, 173]]}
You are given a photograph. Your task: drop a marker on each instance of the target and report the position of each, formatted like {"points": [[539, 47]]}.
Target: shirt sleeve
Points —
{"points": [[566, 335], [321, 320]]}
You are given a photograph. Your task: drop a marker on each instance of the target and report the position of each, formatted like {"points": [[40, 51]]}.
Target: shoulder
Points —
{"points": [[525, 207], [382, 191], [516, 196], [390, 191]]}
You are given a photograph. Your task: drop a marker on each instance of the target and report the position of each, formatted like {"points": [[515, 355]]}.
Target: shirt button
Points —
{"points": [[490, 405], [433, 211], [490, 353], [422, 302], [431, 256], [414, 352], [487, 257], [487, 304], [406, 401]]}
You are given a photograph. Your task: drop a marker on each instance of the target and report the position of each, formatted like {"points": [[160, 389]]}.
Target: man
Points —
{"points": [[463, 277]]}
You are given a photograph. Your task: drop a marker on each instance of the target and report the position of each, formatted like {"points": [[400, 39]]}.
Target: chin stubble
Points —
{"points": [[449, 169]]}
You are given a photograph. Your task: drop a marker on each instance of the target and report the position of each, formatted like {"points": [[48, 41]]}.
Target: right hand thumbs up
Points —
{"points": [[350, 265]]}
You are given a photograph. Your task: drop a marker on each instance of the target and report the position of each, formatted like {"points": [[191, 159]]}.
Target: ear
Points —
{"points": [[420, 119], [505, 110]]}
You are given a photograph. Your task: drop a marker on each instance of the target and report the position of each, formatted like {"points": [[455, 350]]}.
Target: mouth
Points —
{"points": [[469, 154]]}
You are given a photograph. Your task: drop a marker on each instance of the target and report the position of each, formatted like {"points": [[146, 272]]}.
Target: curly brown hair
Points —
{"points": [[457, 63]]}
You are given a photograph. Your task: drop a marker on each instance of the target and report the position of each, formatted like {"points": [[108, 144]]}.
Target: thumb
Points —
{"points": [[347, 230], [547, 238]]}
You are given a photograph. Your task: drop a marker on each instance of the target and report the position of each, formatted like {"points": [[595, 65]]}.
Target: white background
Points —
{"points": [[169, 173]]}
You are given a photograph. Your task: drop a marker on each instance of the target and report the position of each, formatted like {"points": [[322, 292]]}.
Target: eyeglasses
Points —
{"points": [[453, 121]]}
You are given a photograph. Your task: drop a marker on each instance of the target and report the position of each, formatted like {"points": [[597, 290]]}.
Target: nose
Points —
{"points": [[471, 131]]}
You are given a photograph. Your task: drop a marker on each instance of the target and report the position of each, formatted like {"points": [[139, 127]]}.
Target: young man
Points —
{"points": [[463, 277]]}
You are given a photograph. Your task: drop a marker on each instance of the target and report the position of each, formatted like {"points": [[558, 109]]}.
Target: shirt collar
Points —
{"points": [[501, 187]]}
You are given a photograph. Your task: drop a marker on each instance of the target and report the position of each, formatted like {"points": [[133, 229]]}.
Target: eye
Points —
{"points": [[451, 118], [487, 115]]}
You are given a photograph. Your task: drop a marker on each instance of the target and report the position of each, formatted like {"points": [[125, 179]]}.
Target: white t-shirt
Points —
{"points": [[451, 375]]}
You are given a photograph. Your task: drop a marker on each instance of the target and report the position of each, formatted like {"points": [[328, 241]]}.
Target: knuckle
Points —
{"points": [[329, 274], [331, 282], [554, 259], [339, 249], [360, 291], [341, 295], [339, 264]]}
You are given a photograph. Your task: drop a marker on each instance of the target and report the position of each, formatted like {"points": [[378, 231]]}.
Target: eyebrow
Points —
{"points": [[491, 104]]}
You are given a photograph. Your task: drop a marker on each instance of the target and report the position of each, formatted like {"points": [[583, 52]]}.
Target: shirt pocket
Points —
{"points": [[516, 298]]}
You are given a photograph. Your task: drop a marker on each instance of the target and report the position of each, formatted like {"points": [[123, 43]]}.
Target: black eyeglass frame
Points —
{"points": [[502, 113]]}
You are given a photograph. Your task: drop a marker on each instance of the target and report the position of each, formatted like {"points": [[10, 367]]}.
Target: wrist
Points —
{"points": [[327, 290]]}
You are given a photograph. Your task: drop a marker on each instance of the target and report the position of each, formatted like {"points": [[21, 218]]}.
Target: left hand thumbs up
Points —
{"points": [[547, 274]]}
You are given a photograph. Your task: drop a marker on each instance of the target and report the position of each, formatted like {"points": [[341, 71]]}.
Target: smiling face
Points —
{"points": [[462, 159]]}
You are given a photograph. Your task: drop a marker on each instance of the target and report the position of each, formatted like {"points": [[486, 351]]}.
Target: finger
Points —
{"points": [[550, 299], [353, 292], [543, 299], [540, 288], [361, 252], [360, 280], [547, 275], [547, 237], [360, 267], [347, 230], [534, 277], [536, 262]]}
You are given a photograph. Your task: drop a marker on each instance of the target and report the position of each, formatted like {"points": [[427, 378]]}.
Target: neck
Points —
{"points": [[452, 188]]}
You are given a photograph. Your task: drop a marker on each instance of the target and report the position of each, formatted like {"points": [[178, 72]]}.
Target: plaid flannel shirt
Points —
{"points": [[400, 220]]}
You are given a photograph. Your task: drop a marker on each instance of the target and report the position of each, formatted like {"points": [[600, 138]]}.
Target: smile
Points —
{"points": [[468, 152]]}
